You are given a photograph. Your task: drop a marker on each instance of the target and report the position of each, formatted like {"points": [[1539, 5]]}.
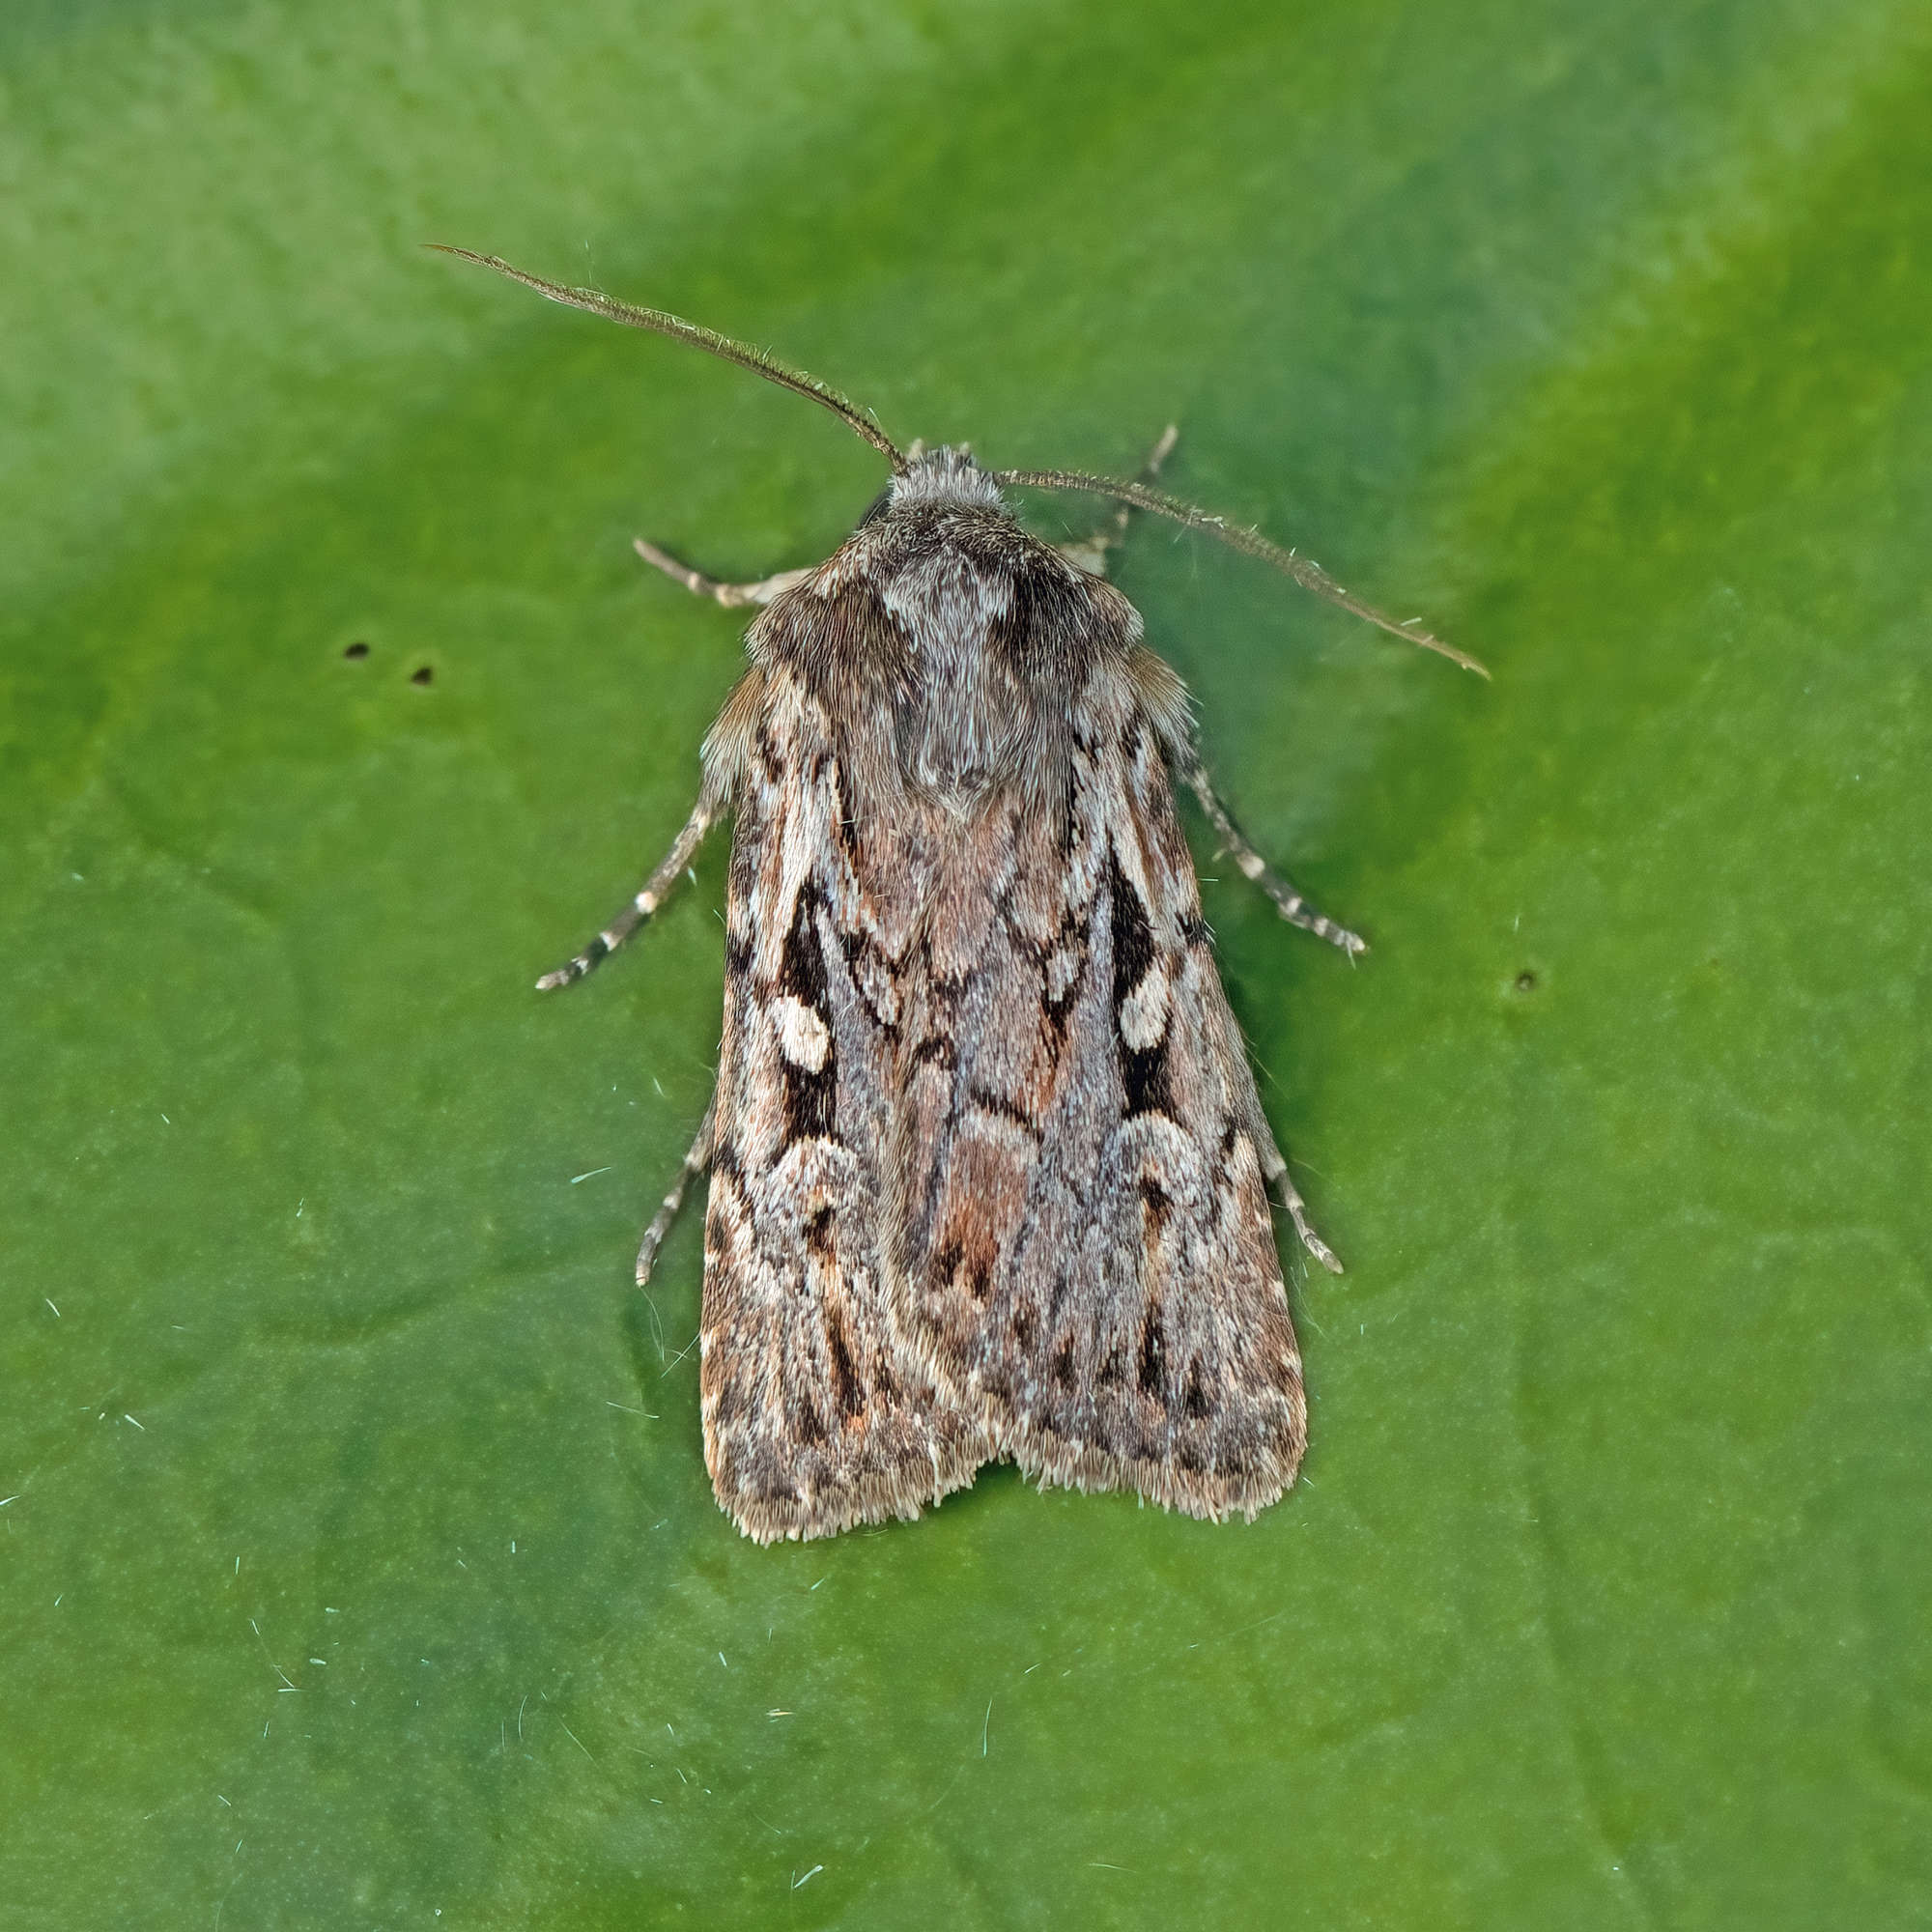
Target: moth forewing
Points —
{"points": [[988, 1169]]}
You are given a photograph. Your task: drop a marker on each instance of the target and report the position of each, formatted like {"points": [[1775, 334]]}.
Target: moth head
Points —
{"points": [[946, 474]]}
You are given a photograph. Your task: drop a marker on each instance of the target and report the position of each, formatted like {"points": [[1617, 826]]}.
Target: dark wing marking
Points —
{"points": [[811, 1424], [1085, 1254]]}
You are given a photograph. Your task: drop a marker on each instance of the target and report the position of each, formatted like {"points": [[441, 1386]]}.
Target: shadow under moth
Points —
{"points": [[989, 1176]]}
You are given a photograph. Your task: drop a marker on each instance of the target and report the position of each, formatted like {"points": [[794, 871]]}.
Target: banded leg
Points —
{"points": [[731, 595], [1288, 902], [1275, 1168], [1090, 554], [1297, 1213], [647, 901], [696, 1161]]}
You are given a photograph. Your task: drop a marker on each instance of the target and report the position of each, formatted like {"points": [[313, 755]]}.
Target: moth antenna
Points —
{"points": [[678, 329], [1310, 576]]}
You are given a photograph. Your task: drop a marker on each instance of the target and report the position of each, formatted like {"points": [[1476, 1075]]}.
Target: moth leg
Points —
{"points": [[1297, 1213], [696, 1161], [647, 901], [1090, 554], [1288, 902], [731, 595], [1275, 1169]]}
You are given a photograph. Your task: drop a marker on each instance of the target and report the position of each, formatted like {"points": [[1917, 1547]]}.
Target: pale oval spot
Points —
{"points": [[803, 1037], [1144, 1012]]}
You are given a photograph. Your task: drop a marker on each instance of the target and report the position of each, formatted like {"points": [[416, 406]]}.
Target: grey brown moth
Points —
{"points": [[989, 1176]]}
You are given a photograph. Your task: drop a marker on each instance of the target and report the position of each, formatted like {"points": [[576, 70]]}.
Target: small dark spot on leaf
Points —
{"points": [[423, 674], [1526, 981], [358, 650]]}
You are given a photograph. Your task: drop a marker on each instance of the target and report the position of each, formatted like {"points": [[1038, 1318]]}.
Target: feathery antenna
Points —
{"points": [[1310, 576], [679, 330]]}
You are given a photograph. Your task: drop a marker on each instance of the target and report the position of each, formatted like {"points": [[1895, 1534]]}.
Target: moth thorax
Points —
{"points": [[964, 714]]}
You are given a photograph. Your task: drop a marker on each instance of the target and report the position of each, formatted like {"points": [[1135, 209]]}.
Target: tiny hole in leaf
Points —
{"points": [[422, 675], [358, 650], [1525, 982]]}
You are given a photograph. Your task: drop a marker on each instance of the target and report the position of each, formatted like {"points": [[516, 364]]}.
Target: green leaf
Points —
{"points": [[360, 1565]]}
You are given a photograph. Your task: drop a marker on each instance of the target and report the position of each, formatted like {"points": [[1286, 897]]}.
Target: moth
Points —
{"points": [[990, 1178]]}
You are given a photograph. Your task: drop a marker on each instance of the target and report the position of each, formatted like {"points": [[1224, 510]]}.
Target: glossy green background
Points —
{"points": [[360, 1568]]}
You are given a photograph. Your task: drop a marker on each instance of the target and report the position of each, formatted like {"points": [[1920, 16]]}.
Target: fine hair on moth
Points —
{"points": [[989, 1176]]}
